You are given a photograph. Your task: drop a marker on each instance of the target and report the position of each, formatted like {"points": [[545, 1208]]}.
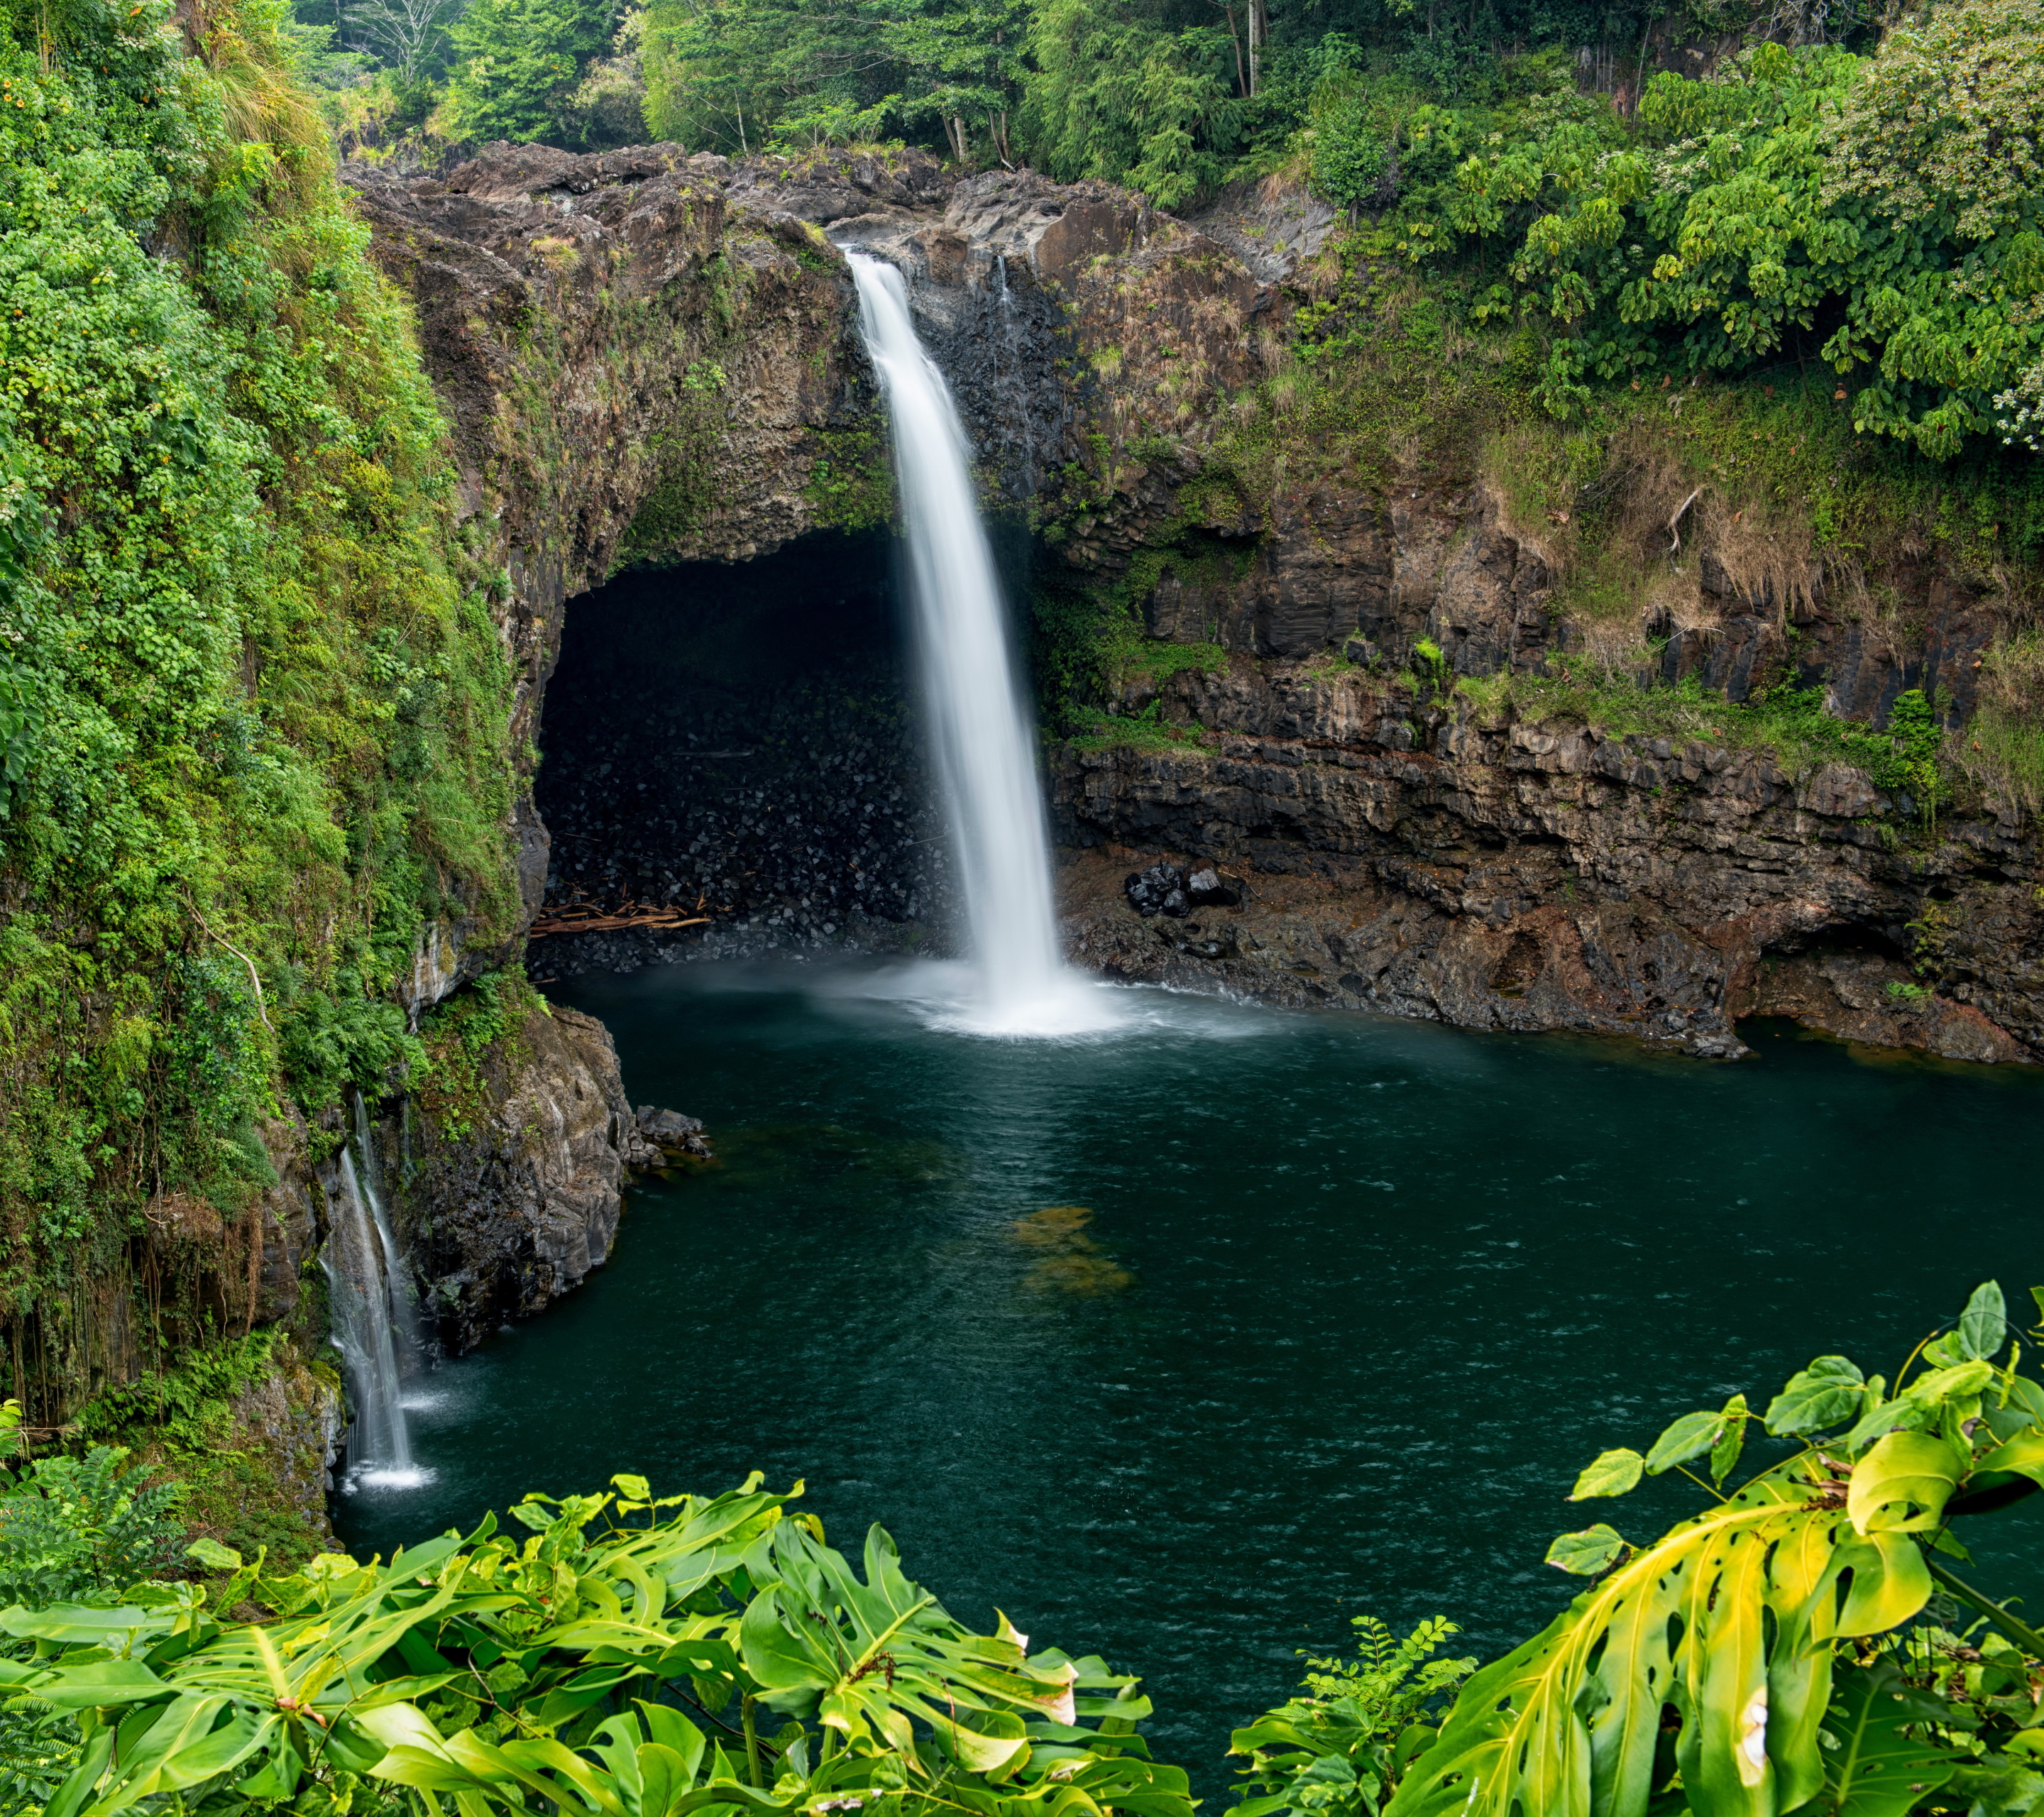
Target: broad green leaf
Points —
{"points": [[1689, 1437], [105, 1682], [1984, 1325], [1825, 1394], [1730, 1441], [1585, 1553], [2037, 1293], [1875, 1770], [1614, 1473], [1902, 1483], [1956, 1383], [2023, 1456], [1716, 1620], [211, 1554]]}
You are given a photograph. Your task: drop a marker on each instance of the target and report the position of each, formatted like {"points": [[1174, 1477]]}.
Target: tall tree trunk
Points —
{"points": [[1259, 29], [1241, 79]]}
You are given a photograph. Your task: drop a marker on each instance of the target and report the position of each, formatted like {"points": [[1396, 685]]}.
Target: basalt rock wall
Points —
{"points": [[1431, 861]]}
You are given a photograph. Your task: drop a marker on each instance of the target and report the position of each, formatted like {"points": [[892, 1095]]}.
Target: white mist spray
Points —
{"points": [[982, 738]]}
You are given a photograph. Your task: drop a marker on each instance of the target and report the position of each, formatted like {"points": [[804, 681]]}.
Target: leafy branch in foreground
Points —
{"points": [[1754, 1659], [633, 1672]]}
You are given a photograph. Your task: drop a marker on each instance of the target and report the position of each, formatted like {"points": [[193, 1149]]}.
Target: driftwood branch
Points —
{"points": [[586, 918], [1676, 548]]}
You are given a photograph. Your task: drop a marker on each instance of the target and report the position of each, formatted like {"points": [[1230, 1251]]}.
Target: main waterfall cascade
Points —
{"points": [[979, 730]]}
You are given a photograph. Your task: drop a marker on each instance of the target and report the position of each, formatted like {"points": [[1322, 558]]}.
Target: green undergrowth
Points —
{"points": [[1095, 730], [254, 707], [181, 1424], [851, 485], [474, 1033], [1789, 724], [683, 495], [1088, 639]]}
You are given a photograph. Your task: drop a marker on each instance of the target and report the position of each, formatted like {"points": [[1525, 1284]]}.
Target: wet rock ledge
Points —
{"points": [[510, 1207], [1437, 861]]}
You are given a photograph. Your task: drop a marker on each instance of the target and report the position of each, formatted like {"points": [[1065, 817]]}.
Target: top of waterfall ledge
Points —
{"points": [[904, 204]]}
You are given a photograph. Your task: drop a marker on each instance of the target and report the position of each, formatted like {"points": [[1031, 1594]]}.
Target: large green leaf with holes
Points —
{"points": [[1568, 1724]]}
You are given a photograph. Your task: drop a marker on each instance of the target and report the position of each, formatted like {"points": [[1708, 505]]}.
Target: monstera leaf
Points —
{"points": [[865, 1657], [1875, 1770], [1727, 1622]]}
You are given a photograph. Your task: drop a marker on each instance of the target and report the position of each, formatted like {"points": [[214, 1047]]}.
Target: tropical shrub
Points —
{"points": [[1345, 1744], [1783, 1649], [690, 1654], [76, 1528], [1879, 214]]}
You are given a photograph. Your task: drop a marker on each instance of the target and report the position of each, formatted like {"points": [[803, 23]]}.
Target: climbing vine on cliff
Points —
{"points": [[253, 705]]}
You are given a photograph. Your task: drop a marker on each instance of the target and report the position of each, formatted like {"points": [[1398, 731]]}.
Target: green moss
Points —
{"points": [[851, 485], [181, 1424], [1087, 639], [477, 1032], [1788, 724]]}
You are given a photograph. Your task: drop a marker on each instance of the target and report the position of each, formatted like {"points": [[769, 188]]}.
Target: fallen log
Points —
{"points": [[566, 921]]}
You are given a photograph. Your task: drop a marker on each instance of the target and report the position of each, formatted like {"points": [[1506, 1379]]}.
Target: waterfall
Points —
{"points": [[982, 738], [403, 1316], [380, 1448]]}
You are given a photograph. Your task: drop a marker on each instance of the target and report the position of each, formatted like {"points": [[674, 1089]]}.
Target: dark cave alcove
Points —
{"points": [[738, 742]]}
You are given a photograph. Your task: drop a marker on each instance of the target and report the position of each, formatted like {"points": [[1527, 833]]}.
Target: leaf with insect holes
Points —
{"points": [[1902, 1483], [1614, 1473], [1875, 1769], [1984, 1325], [1730, 1621], [1585, 1553]]}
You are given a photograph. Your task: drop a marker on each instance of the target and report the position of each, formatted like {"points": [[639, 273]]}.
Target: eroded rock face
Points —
{"points": [[506, 1218], [1510, 875]]}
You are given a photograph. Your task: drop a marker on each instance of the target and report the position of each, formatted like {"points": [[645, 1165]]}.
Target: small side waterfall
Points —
{"points": [[404, 1314], [376, 1326], [982, 737]]}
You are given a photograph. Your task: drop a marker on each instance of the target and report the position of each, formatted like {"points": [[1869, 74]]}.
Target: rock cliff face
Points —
{"points": [[654, 356], [1435, 862], [651, 354], [503, 1218]]}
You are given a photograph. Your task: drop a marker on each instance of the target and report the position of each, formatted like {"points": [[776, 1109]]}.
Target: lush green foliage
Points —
{"points": [[1344, 1746], [73, 1528], [521, 62], [255, 706], [1768, 1655], [690, 1655], [750, 75]]}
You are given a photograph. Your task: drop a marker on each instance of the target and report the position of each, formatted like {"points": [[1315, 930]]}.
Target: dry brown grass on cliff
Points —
{"points": [[2003, 749], [1622, 523]]}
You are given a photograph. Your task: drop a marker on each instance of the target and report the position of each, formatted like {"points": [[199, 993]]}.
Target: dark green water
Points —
{"points": [[1383, 1288]]}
